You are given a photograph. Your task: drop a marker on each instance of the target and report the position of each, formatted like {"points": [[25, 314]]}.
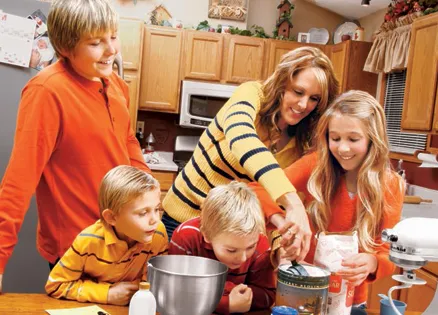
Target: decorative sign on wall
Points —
{"points": [[228, 9]]}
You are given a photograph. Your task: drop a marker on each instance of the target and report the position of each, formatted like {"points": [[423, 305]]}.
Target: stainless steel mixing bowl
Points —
{"points": [[186, 285]]}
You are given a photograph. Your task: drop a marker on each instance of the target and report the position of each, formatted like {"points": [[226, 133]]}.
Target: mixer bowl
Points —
{"points": [[186, 285]]}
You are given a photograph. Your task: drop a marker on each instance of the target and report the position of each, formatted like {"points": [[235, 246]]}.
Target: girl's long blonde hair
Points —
{"points": [[274, 87], [372, 175]]}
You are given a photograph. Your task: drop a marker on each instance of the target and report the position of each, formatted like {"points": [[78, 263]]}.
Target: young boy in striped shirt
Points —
{"points": [[231, 229], [108, 259]]}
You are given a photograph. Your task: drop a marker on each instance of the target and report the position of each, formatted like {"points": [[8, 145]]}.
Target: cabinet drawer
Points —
{"points": [[165, 179]]}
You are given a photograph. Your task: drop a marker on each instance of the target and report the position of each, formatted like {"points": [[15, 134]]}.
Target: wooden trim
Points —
{"points": [[383, 89], [404, 157]]}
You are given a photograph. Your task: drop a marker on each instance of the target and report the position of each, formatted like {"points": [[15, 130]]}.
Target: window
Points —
{"points": [[401, 142]]}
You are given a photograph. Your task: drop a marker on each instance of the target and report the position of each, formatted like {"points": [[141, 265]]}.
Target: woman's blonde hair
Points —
{"points": [[122, 185], [232, 208], [372, 175], [274, 88], [69, 21]]}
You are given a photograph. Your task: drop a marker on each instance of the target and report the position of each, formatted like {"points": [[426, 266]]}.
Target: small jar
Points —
{"points": [[359, 34], [283, 310]]}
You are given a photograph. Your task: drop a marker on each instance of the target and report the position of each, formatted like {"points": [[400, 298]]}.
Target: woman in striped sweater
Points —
{"points": [[262, 129]]}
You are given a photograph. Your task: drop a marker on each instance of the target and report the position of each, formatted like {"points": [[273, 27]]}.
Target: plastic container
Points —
{"points": [[303, 287], [143, 301], [386, 308], [283, 310]]}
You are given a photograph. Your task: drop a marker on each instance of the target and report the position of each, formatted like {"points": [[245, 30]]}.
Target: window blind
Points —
{"points": [[401, 142]]}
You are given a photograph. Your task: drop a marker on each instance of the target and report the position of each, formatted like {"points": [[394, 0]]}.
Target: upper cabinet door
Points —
{"points": [[421, 79], [203, 55], [130, 33], [277, 49], [245, 59], [132, 81], [160, 70], [338, 56]]}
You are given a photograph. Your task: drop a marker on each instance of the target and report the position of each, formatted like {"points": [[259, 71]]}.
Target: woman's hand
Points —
{"points": [[294, 227], [357, 268]]}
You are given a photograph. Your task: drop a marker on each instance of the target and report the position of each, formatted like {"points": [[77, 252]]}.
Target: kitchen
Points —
{"points": [[157, 92]]}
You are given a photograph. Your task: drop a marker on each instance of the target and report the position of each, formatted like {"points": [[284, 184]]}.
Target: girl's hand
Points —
{"points": [[357, 268]]}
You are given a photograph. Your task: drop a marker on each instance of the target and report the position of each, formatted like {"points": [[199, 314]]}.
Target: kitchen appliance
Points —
{"points": [[413, 243], [303, 287], [200, 102], [25, 262], [118, 61], [186, 285], [184, 147]]}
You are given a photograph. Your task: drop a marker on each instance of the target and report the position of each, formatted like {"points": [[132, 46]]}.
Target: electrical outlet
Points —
{"points": [[140, 125]]}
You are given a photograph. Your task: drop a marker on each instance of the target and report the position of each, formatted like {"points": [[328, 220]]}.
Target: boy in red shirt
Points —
{"points": [[231, 229], [73, 126]]}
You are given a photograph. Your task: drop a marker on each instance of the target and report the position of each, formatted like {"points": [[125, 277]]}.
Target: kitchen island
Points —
{"points": [[36, 304]]}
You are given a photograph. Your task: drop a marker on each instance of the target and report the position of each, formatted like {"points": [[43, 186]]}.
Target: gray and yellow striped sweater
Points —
{"points": [[233, 147]]}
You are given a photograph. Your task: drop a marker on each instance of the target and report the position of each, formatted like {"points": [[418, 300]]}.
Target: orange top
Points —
{"points": [[343, 217], [70, 132]]}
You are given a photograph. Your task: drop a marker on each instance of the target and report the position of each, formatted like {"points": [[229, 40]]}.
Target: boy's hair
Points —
{"points": [[122, 185], [372, 175], [71, 20], [232, 208]]}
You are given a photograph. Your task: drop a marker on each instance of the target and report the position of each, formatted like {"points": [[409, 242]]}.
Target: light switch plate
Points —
{"points": [[140, 124]]}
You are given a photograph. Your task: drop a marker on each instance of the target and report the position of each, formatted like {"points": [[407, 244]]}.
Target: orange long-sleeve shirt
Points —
{"points": [[70, 132], [343, 213]]}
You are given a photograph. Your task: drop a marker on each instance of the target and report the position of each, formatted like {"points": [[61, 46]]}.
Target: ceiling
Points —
{"points": [[351, 9]]}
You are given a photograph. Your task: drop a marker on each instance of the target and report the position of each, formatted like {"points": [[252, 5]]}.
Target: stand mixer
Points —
{"points": [[413, 243]]}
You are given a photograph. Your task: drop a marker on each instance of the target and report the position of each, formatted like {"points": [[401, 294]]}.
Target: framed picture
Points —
{"points": [[304, 37], [228, 9]]}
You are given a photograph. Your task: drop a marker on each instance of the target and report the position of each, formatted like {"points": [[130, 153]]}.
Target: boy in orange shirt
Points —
{"points": [[73, 126], [231, 230], [108, 259]]}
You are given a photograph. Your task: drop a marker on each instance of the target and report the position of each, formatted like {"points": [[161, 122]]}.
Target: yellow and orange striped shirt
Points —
{"points": [[97, 259]]}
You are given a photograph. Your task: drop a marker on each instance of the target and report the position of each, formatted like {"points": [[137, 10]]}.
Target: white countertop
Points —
{"points": [[168, 165], [425, 210]]}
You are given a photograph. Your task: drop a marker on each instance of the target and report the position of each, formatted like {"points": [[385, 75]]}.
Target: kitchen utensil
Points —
{"points": [[416, 199], [383, 296], [305, 292], [186, 284], [344, 29]]}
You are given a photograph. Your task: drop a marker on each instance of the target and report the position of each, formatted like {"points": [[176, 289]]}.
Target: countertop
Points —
{"points": [[36, 304], [425, 210], [168, 165]]}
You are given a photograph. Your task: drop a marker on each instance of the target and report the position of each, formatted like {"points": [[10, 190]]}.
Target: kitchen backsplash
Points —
{"points": [[165, 128]]}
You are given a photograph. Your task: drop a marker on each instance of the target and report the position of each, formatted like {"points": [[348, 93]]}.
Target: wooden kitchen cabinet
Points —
{"points": [[203, 55], [418, 297], [381, 286], [131, 46], [420, 107], [348, 59], [224, 58], [277, 48], [160, 80], [246, 59], [165, 179]]}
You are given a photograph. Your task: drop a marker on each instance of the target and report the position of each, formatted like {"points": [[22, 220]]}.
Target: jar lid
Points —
{"points": [[283, 310], [304, 275]]}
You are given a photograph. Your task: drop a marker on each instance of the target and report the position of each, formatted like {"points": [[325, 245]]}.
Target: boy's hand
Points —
{"points": [[240, 299], [1, 282], [358, 267], [121, 293]]}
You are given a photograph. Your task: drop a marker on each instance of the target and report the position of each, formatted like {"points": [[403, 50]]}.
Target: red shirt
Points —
{"points": [[70, 132], [257, 272]]}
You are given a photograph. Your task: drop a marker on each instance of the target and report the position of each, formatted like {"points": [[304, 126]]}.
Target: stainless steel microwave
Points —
{"points": [[200, 102]]}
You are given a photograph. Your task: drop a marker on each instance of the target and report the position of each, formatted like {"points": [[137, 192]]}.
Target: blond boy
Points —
{"points": [[231, 229], [108, 259], [73, 126]]}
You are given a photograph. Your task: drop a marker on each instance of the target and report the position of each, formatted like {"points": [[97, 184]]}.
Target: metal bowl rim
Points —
{"points": [[183, 275]]}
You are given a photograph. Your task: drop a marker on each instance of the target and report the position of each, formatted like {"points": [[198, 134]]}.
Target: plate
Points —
{"points": [[319, 35], [344, 29]]}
